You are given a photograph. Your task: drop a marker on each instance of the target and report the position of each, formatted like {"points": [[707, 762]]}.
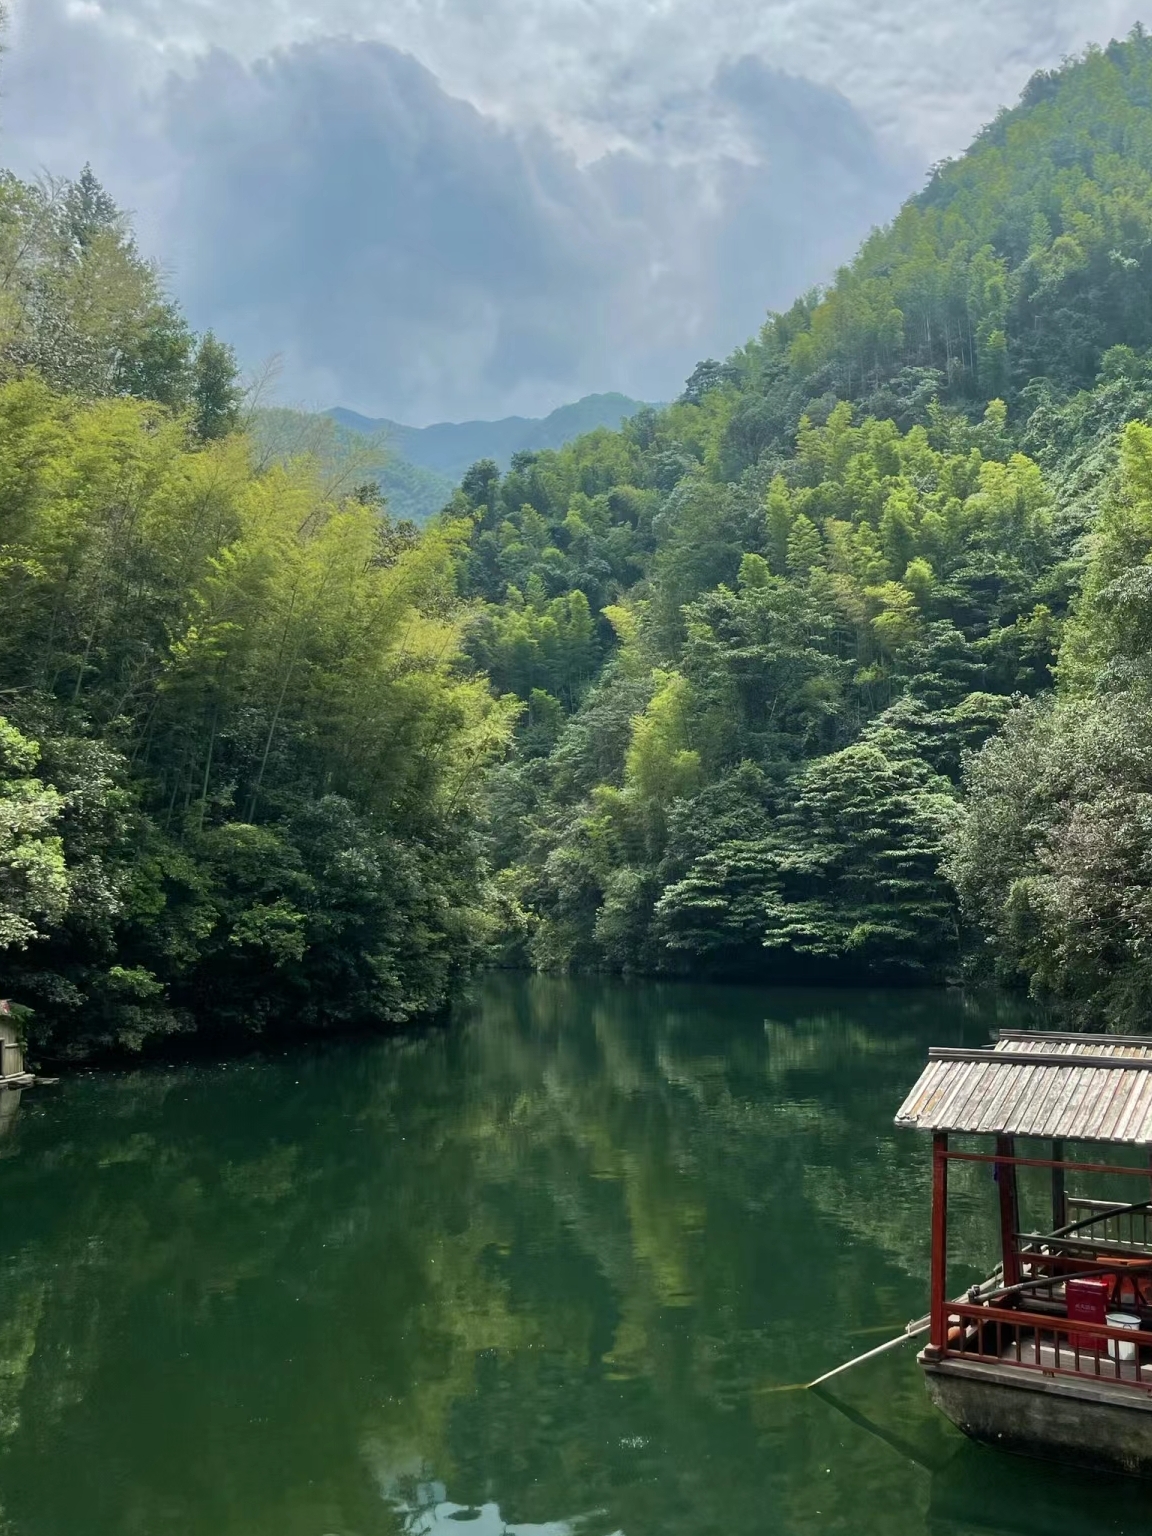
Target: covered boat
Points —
{"points": [[1053, 1355]]}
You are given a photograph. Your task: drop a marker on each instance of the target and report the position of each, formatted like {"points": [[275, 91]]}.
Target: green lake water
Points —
{"points": [[553, 1271]]}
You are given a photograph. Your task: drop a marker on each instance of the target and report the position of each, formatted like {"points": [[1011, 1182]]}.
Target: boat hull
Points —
{"points": [[1090, 1424]]}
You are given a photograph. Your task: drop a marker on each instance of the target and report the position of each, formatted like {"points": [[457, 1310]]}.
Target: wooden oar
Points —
{"points": [[918, 1326], [921, 1325]]}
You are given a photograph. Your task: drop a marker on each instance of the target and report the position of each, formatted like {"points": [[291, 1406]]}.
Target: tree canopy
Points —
{"points": [[837, 667], [239, 747], [831, 572]]}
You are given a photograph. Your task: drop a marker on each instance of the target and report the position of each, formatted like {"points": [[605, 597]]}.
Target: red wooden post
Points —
{"points": [[1009, 1211], [937, 1300]]}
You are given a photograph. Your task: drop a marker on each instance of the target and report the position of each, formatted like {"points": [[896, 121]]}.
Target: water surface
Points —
{"points": [[555, 1271]]}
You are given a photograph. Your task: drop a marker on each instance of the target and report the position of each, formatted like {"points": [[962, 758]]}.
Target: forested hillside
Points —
{"points": [[836, 668], [239, 755], [761, 635]]}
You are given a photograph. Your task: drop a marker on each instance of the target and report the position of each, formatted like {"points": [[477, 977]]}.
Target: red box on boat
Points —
{"points": [[1088, 1303]]}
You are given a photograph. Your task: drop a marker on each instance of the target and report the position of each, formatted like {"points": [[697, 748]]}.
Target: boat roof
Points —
{"points": [[1070, 1087]]}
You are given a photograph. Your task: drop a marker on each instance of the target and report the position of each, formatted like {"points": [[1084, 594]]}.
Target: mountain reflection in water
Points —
{"points": [[543, 1273]]}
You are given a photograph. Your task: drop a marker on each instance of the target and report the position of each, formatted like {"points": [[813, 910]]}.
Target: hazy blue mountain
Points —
{"points": [[349, 456], [449, 447], [417, 467]]}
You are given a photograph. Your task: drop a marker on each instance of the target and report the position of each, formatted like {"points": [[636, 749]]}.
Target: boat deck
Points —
{"points": [[1028, 1352]]}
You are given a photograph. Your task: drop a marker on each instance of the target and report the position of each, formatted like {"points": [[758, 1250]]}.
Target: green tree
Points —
{"points": [[34, 884], [846, 875], [216, 392]]}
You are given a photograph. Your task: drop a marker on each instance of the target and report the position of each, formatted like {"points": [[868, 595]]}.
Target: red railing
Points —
{"points": [[1053, 1346], [1127, 1226]]}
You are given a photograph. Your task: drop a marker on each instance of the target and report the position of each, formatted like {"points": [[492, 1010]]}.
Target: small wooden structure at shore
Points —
{"points": [[1052, 1358], [12, 1073]]}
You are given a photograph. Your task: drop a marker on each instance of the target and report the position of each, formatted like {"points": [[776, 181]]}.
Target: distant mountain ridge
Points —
{"points": [[449, 447]]}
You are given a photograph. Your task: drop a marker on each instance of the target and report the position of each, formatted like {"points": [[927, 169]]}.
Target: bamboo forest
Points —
{"points": [[837, 667]]}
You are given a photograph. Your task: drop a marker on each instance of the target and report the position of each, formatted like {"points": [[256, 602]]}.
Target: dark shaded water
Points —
{"points": [[546, 1272]]}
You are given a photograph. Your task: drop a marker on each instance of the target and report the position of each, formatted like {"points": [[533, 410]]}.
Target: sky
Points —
{"points": [[441, 209]]}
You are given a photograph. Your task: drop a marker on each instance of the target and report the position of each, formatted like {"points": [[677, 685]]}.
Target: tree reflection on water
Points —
{"points": [[542, 1272]]}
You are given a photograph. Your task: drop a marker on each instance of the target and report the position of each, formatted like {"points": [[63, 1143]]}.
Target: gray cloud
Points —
{"points": [[410, 253], [926, 72], [563, 195], [401, 250]]}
